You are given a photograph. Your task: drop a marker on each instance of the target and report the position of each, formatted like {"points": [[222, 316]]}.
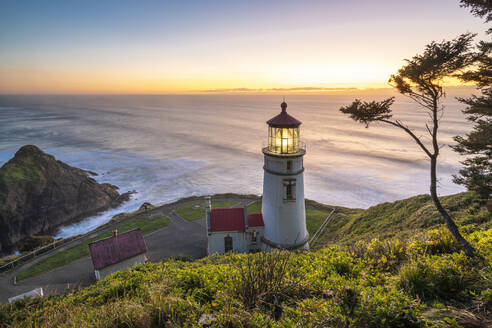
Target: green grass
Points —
{"points": [[196, 210], [21, 169], [417, 279], [394, 283], [254, 208], [67, 256], [314, 219], [145, 224], [402, 218]]}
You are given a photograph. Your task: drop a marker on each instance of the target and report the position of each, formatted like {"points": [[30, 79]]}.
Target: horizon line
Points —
{"points": [[224, 91]]}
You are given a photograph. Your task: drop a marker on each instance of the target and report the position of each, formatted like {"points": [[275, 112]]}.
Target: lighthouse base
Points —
{"points": [[270, 245]]}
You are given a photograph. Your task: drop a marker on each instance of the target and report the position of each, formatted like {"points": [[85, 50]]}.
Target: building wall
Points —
{"points": [[252, 247], [120, 266], [285, 220], [216, 242]]}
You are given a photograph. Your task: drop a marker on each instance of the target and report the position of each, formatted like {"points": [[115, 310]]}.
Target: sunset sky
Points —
{"points": [[197, 46]]}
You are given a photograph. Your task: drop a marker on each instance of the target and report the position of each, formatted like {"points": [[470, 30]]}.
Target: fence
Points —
{"points": [[36, 252], [321, 228]]}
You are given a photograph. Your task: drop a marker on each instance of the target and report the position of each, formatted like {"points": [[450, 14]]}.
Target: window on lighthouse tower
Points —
{"points": [[290, 189]]}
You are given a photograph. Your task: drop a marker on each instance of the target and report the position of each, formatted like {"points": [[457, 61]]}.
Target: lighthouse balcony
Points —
{"points": [[273, 150]]}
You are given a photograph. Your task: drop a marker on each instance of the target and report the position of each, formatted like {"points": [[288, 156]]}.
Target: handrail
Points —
{"points": [[321, 228], [37, 251], [300, 150]]}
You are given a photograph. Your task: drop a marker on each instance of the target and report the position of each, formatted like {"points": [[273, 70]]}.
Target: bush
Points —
{"points": [[386, 255], [381, 283], [447, 278], [261, 278], [434, 241], [383, 307], [33, 242]]}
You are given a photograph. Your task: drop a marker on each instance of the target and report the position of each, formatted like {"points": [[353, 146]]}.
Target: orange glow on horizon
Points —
{"points": [[221, 46], [90, 83]]}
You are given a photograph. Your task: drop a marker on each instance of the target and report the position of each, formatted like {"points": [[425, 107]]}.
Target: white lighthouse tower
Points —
{"points": [[283, 207]]}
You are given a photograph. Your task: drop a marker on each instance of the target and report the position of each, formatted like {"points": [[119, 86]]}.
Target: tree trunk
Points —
{"points": [[452, 227]]}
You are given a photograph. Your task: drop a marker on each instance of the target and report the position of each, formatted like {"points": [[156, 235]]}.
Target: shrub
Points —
{"points": [[180, 257], [262, 278], [386, 255], [314, 312], [434, 241], [383, 307], [173, 310], [380, 283], [445, 278], [33, 242]]}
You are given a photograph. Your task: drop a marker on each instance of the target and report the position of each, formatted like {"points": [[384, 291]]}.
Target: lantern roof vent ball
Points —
{"points": [[284, 120]]}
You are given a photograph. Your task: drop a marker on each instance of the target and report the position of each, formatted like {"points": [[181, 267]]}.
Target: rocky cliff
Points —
{"points": [[38, 194]]}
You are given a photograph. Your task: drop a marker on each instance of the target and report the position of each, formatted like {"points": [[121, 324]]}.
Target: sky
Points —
{"points": [[216, 46]]}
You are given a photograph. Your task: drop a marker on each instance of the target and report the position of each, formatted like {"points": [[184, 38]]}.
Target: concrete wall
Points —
{"points": [[285, 220], [120, 266], [38, 292]]}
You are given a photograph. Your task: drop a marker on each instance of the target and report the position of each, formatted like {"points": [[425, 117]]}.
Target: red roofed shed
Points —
{"points": [[227, 219], [116, 249]]}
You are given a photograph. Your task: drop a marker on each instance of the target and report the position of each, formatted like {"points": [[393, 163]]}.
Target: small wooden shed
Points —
{"points": [[118, 252]]}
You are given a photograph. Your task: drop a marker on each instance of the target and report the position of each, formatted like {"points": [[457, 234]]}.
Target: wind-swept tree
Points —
{"points": [[476, 173], [422, 79]]}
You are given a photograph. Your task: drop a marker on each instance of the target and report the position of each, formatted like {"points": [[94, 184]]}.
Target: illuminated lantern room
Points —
{"points": [[283, 133]]}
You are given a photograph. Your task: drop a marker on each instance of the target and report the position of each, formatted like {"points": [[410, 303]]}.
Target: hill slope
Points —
{"points": [[401, 218], [39, 193], [408, 280]]}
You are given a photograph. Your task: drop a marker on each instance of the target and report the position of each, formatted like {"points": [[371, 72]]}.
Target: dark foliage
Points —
{"points": [[480, 8], [367, 112], [33, 242], [476, 173]]}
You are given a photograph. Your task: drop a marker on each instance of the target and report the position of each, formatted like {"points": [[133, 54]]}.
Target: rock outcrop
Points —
{"points": [[38, 194]]}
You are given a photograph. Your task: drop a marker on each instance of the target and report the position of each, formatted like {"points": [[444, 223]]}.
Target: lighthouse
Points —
{"points": [[283, 208]]}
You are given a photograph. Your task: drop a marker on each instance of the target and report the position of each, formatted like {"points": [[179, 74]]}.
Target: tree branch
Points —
{"points": [[407, 130]]}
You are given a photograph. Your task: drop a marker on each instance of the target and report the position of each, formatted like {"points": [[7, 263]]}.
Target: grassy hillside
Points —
{"points": [[402, 279], [401, 218]]}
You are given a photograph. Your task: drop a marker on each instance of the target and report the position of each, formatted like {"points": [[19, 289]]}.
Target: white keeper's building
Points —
{"points": [[282, 223]]}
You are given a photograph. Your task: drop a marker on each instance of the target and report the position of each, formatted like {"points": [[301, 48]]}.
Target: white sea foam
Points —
{"points": [[168, 147]]}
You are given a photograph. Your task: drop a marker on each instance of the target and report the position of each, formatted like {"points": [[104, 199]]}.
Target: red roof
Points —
{"points": [[255, 220], [227, 219], [284, 120], [117, 248]]}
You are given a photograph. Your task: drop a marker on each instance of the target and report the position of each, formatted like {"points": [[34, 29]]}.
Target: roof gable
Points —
{"points": [[227, 219], [117, 248]]}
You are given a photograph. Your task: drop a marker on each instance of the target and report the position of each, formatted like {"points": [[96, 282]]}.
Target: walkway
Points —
{"points": [[180, 237]]}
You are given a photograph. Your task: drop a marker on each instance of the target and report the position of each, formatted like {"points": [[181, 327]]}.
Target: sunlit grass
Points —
{"points": [[414, 282]]}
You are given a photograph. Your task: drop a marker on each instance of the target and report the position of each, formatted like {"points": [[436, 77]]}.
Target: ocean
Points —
{"points": [[166, 147]]}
